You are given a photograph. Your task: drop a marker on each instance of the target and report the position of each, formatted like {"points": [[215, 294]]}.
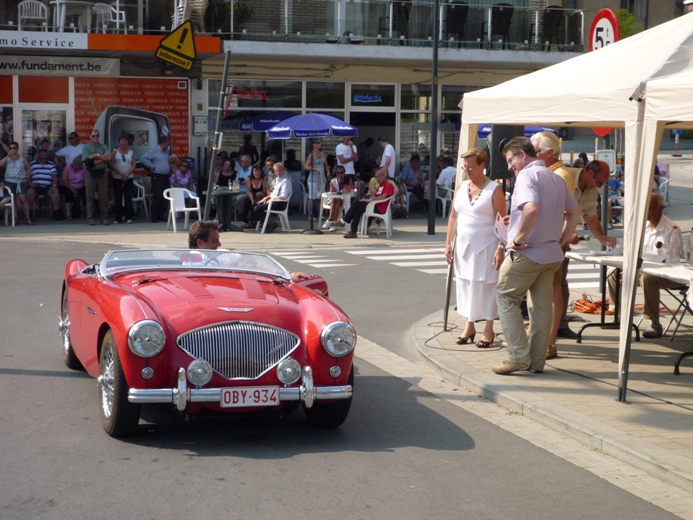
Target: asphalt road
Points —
{"points": [[403, 452]]}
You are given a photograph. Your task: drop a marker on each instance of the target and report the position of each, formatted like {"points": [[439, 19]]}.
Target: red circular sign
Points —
{"points": [[602, 132], [604, 30]]}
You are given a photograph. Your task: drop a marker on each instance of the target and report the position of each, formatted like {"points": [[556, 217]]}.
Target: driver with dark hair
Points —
{"points": [[204, 234]]}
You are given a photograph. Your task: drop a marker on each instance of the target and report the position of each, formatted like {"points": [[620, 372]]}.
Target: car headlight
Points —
{"points": [[199, 372], [338, 338], [146, 338], [288, 371]]}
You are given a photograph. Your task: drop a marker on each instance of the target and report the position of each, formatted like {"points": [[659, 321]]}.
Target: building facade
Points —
{"points": [[71, 67]]}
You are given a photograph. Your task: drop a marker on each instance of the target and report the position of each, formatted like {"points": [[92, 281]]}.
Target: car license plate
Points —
{"points": [[249, 396]]}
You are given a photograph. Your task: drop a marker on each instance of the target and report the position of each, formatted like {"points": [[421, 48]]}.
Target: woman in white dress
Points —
{"points": [[317, 168], [478, 253]]}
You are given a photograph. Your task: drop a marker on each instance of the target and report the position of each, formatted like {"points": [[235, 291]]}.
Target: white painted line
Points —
{"points": [[330, 265], [388, 251], [406, 257], [433, 271], [418, 264], [583, 285], [582, 276], [303, 257]]}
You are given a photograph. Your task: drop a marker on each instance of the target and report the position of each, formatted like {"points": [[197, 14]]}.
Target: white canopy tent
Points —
{"points": [[643, 84]]}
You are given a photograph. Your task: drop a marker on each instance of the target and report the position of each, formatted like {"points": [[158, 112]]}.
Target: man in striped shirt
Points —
{"points": [[43, 181]]}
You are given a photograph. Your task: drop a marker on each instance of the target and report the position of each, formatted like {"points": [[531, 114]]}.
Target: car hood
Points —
{"points": [[190, 301]]}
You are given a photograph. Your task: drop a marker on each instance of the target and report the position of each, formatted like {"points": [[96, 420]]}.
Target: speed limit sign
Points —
{"points": [[604, 30]]}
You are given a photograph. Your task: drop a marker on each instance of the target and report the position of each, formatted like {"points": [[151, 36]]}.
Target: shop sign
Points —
{"points": [[367, 99], [53, 66], [39, 40]]}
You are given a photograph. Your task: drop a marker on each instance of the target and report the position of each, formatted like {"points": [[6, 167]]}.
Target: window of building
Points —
{"points": [[324, 94]]}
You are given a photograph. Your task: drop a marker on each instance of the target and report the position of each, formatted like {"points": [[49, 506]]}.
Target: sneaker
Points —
{"points": [[129, 221], [551, 352], [333, 229], [341, 222], [567, 333], [327, 224], [508, 367], [249, 225], [271, 226], [350, 234], [655, 331], [116, 222]]}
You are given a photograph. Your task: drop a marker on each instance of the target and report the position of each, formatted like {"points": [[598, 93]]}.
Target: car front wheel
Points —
{"points": [[330, 415], [69, 357], [119, 416]]}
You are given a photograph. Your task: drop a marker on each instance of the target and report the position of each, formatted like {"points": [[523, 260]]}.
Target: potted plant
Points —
{"points": [[242, 11]]}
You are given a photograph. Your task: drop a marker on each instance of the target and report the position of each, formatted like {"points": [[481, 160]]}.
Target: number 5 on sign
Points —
{"points": [[604, 30]]}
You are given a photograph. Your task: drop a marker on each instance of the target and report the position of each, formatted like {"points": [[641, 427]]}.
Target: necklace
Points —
{"points": [[472, 201]]}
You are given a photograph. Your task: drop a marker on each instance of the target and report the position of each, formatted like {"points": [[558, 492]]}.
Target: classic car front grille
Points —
{"points": [[239, 350]]}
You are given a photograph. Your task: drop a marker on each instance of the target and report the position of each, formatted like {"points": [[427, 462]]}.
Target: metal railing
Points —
{"points": [[479, 24]]}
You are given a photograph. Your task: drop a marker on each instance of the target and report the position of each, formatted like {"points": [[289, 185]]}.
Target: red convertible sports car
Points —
{"points": [[196, 329]]}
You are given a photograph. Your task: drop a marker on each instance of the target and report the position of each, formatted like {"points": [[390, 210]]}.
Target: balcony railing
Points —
{"points": [[473, 24]]}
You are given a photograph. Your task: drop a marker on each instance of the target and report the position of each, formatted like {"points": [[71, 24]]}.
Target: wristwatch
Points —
{"points": [[516, 244]]}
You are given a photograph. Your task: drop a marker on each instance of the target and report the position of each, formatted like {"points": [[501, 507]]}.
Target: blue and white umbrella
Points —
{"points": [[306, 126]]}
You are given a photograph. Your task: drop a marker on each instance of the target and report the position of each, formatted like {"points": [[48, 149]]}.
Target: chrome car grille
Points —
{"points": [[239, 350]]}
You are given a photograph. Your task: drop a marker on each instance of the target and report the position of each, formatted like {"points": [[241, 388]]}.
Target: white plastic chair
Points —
{"points": [[33, 10], [283, 216], [176, 197], [448, 196], [370, 212], [326, 204], [141, 197], [9, 206], [106, 14]]}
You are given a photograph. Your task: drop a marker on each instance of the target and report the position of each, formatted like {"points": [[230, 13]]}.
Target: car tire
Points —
{"points": [[331, 415], [69, 357], [119, 416]]}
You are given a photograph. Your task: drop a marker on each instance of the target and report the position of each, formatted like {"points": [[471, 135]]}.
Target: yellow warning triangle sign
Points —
{"points": [[181, 41]]}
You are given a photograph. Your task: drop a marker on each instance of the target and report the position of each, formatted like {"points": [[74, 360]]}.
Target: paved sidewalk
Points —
{"points": [[577, 393]]}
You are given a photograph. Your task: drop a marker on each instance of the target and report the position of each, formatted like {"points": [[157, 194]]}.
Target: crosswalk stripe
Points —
{"points": [[406, 257], [384, 251], [419, 264], [330, 265], [433, 271], [297, 258]]}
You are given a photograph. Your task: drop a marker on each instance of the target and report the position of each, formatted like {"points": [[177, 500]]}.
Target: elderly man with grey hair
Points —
{"points": [[658, 232]]}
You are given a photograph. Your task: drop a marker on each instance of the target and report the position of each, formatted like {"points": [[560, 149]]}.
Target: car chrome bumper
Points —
{"points": [[180, 396]]}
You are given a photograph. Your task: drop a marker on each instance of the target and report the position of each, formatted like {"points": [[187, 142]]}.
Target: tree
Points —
{"points": [[627, 25]]}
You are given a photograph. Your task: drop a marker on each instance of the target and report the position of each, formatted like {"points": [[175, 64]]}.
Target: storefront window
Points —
{"points": [[416, 96], [38, 125], [452, 96], [372, 95], [324, 94], [414, 136], [259, 94]]}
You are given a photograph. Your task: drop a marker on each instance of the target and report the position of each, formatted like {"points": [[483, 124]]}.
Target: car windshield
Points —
{"points": [[198, 259]]}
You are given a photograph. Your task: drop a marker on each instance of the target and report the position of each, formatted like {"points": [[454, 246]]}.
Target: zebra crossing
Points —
{"points": [[429, 260]]}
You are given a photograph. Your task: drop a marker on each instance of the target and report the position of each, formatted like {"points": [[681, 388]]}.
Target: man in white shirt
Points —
{"points": [[244, 168], [281, 194], [67, 154], [347, 156], [447, 176], [658, 231], [389, 158]]}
